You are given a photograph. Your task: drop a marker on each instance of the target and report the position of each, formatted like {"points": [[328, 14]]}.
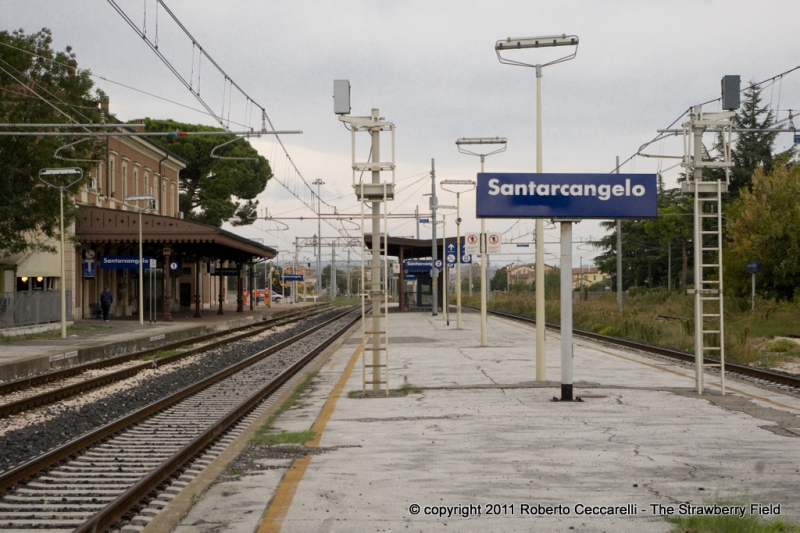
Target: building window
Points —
{"points": [[124, 180], [112, 176], [136, 182]]}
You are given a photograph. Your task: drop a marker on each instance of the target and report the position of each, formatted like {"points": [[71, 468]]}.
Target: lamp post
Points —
{"points": [[72, 171], [469, 184], [319, 182], [524, 43], [151, 205], [461, 143]]}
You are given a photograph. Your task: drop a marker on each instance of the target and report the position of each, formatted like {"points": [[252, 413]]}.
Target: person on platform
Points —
{"points": [[106, 299]]}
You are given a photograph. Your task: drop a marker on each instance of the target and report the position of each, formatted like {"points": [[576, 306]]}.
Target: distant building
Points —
{"points": [[524, 274], [583, 278]]}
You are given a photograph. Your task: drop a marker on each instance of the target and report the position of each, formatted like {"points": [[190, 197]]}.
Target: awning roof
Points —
{"points": [[190, 240]]}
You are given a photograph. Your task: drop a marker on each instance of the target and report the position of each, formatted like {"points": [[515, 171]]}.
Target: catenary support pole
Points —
{"points": [[434, 271], [376, 263]]}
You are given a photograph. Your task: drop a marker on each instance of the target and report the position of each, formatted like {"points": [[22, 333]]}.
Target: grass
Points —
{"points": [[161, 354], [730, 524], [56, 334], [266, 434], [408, 388], [667, 319], [341, 301]]}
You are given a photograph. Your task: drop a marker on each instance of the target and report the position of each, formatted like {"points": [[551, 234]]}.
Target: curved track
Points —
{"points": [[107, 473]]}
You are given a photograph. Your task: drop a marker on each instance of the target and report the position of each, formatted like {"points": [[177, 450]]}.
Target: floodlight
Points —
{"points": [[537, 42], [457, 182], [546, 41], [60, 171]]}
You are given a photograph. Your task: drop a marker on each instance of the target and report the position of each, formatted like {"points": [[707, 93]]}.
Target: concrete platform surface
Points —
{"points": [[96, 339], [484, 448]]}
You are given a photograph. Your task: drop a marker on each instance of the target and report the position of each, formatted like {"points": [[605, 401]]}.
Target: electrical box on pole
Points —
{"points": [[731, 89], [341, 97]]}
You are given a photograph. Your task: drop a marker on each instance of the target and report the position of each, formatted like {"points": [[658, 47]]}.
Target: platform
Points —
{"points": [[96, 339], [483, 437]]}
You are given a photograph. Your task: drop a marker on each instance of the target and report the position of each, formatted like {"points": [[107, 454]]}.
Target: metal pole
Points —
{"points": [[566, 311], [416, 216], [697, 131], [458, 260], [753, 292], [445, 303], [434, 271], [141, 274], [349, 291], [296, 271], [333, 271], [484, 258], [619, 257], [669, 267], [541, 360], [376, 264], [63, 271], [269, 302]]}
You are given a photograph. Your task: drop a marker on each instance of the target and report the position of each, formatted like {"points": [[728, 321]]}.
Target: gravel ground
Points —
{"points": [[23, 444]]}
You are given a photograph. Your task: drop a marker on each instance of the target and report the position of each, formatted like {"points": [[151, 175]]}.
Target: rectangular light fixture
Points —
{"points": [[513, 43], [457, 182], [60, 171], [481, 140]]}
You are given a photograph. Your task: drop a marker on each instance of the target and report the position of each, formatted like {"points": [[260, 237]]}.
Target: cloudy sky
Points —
{"points": [[430, 67]]}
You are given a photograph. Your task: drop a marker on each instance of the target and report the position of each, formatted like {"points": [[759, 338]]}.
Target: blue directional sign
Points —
{"points": [[465, 257], [292, 277], [796, 138], [753, 266], [505, 195], [409, 277], [437, 264], [88, 268], [424, 221]]}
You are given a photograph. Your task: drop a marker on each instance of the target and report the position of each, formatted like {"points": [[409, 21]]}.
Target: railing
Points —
{"points": [[27, 308]]}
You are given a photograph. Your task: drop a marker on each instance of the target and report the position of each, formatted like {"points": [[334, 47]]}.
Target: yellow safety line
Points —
{"points": [[712, 384], [279, 507]]}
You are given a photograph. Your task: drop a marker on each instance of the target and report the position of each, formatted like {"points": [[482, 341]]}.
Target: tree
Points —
{"points": [[764, 224], [753, 149], [214, 191], [28, 208], [499, 281]]}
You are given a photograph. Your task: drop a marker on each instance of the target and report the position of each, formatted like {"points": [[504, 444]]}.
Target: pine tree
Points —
{"points": [[753, 148]]}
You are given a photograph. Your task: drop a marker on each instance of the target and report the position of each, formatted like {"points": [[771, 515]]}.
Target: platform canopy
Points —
{"points": [[111, 228]]}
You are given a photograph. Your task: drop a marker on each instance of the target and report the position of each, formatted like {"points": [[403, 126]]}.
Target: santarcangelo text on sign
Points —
{"points": [[502, 195]]}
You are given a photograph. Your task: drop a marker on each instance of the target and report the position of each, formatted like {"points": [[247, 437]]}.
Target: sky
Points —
{"points": [[431, 69]]}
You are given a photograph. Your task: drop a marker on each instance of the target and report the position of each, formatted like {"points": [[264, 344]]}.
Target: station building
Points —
{"points": [[107, 248]]}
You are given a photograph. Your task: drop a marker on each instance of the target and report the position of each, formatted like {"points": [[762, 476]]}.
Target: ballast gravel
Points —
{"points": [[28, 442]]}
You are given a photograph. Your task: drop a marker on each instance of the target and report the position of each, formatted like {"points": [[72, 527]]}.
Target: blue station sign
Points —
{"points": [[505, 195], [123, 262], [292, 277], [416, 265]]}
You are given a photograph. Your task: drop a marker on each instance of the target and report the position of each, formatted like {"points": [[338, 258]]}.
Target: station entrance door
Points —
{"points": [[419, 292]]}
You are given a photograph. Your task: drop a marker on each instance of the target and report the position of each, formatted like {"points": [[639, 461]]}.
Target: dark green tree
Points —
{"points": [[753, 149], [499, 281], [38, 85], [214, 191]]}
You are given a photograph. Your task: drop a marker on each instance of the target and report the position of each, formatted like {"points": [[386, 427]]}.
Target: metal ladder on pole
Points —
{"points": [[708, 227], [374, 333]]}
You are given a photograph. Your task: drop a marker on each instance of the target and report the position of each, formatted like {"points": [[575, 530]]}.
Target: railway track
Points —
{"points": [[93, 482], [767, 376], [44, 389]]}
